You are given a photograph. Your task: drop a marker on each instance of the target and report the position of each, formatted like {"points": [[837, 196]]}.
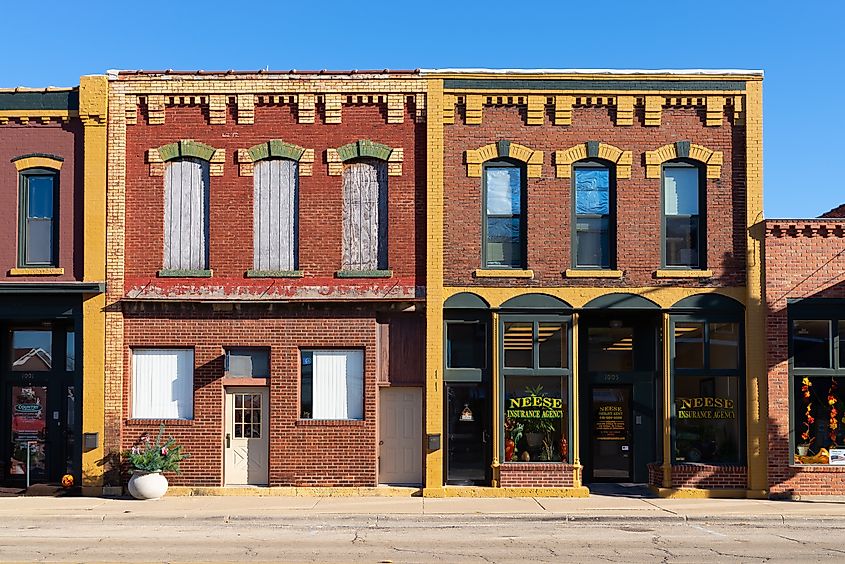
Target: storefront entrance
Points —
{"points": [[468, 434], [40, 399], [619, 358]]}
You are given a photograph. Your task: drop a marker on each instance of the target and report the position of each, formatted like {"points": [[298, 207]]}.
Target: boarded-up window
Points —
{"points": [[274, 231], [365, 215], [186, 215]]}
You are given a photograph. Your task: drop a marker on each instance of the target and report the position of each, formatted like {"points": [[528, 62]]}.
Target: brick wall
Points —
{"points": [[302, 452], [638, 198], [62, 140], [701, 476], [231, 198], [804, 259], [535, 475]]}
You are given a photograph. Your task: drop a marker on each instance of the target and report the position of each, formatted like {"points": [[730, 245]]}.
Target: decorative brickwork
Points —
{"points": [[186, 148], [363, 149], [591, 150], [687, 150], [275, 148], [536, 475], [475, 158]]}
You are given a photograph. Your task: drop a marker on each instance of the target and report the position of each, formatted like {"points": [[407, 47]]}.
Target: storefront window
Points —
{"points": [[707, 419], [818, 376], [32, 351], [535, 382]]}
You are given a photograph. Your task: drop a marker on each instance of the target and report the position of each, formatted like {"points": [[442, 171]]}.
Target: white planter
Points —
{"points": [[147, 485], [802, 450]]}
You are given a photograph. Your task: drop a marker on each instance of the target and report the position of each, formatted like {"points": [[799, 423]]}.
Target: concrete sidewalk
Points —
{"points": [[276, 508]]}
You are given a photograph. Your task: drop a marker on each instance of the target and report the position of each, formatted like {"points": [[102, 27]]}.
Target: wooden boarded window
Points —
{"points": [[275, 215], [186, 215], [365, 215]]}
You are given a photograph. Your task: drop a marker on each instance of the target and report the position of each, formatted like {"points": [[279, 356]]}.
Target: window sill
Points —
{"points": [[199, 273], [150, 422], [503, 273], [36, 271], [364, 274], [274, 274], [329, 423], [246, 381], [587, 273], [682, 273]]}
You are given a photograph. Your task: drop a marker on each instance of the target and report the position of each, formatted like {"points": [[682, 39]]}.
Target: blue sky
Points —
{"points": [[798, 45]]}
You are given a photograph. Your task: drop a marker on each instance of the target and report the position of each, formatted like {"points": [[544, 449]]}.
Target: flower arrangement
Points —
{"points": [[833, 422], [156, 456], [808, 416]]}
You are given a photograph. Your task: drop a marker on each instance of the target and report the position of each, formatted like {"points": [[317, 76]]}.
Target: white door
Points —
{"points": [[400, 436], [247, 441]]}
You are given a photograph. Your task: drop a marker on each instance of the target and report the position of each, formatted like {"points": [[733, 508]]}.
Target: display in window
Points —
{"points": [[707, 420], [821, 423], [535, 411]]}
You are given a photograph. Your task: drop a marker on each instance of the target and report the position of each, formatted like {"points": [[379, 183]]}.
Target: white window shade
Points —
{"points": [[338, 384], [162, 384]]}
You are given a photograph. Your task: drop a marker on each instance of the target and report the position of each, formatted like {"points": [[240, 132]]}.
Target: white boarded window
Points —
{"points": [[274, 208], [365, 215], [186, 215], [162, 384], [332, 384]]}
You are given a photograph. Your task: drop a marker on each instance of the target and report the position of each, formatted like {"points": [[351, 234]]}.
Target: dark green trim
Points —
{"points": [[503, 148], [595, 163], [593, 85], [186, 148], [276, 148], [364, 274], [702, 212], [45, 155], [535, 301], [52, 288], [592, 149], [62, 100], [364, 148], [23, 211], [274, 274], [192, 273], [620, 300], [523, 211], [682, 148], [465, 300]]}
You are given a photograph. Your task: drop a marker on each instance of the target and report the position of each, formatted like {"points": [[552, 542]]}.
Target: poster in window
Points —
{"points": [[29, 425]]}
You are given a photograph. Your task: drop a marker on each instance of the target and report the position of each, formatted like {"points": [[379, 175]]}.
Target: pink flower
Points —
{"points": [[164, 451]]}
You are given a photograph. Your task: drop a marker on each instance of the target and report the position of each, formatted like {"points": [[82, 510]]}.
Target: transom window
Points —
{"points": [[683, 215], [38, 240], [594, 226], [504, 215]]}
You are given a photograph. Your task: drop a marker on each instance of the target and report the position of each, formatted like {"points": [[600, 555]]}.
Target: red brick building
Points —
{"points": [[266, 268], [805, 297]]}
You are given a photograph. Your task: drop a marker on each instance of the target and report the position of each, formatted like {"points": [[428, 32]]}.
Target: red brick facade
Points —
{"points": [[638, 198], [536, 475], [700, 476], [804, 260]]}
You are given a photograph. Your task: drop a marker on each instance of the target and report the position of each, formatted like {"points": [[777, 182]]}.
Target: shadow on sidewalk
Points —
{"points": [[637, 491]]}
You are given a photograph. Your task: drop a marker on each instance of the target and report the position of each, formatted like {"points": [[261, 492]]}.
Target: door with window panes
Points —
{"points": [[247, 442]]}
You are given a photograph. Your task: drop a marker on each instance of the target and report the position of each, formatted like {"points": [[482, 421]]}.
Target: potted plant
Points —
{"points": [[148, 460]]}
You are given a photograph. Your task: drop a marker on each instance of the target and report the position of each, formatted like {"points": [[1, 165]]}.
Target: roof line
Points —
{"points": [[744, 72]]}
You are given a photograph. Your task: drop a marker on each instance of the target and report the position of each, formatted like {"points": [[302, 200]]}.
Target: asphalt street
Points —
{"points": [[417, 538]]}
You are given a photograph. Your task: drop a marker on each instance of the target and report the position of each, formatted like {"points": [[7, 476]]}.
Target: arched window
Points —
{"points": [[38, 217], [365, 215], [504, 229], [594, 214], [186, 214], [275, 204], [683, 214]]}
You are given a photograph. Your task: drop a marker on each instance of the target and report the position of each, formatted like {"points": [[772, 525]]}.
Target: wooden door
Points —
{"points": [[247, 441], [400, 434]]}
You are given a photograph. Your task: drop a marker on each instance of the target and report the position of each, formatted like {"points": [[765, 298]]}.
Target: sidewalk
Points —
{"points": [[596, 508]]}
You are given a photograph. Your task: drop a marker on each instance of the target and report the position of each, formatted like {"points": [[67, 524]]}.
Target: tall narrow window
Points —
{"points": [[504, 216], [275, 215], [683, 231], [186, 215], [593, 226], [365, 215], [38, 225]]}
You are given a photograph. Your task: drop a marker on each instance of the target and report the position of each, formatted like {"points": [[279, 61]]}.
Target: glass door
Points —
{"points": [[468, 440], [612, 437]]}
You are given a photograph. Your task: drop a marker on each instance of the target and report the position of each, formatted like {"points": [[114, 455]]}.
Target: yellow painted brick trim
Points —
{"points": [[36, 271], [502, 273], [291, 491], [38, 162], [679, 273], [584, 273], [654, 159], [44, 116], [689, 493], [564, 159], [481, 491], [475, 158]]}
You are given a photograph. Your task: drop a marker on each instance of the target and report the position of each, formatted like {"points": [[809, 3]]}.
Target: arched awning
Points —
{"points": [[621, 300], [465, 300], [711, 303], [535, 302]]}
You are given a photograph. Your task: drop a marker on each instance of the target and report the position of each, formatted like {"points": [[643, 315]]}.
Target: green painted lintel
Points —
{"points": [[274, 274], [364, 273], [196, 273]]}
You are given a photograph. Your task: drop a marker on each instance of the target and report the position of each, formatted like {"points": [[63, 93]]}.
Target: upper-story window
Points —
{"points": [[365, 215], [275, 215], [594, 215], [38, 241], [186, 214], [683, 215], [504, 215]]}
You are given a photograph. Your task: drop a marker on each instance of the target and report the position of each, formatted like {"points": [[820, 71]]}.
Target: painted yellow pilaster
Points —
{"points": [[497, 411], [93, 109], [755, 311], [434, 290], [667, 402], [575, 406]]}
